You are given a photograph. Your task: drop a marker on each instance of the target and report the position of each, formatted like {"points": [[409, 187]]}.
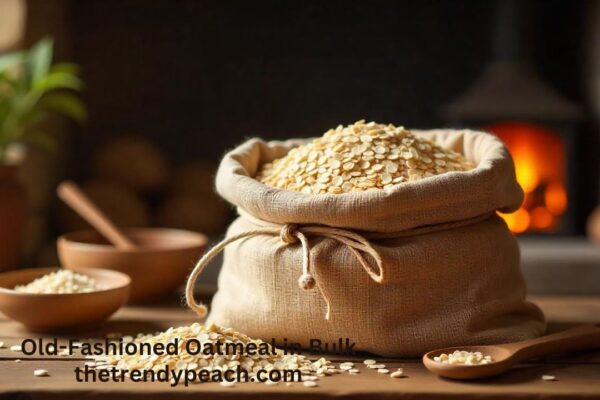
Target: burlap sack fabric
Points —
{"points": [[428, 264]]}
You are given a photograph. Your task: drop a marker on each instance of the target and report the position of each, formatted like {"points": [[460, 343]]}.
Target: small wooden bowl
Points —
{"points": [[62, 312], [158, 267]]}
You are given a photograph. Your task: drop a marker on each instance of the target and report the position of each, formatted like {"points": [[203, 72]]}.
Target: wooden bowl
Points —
{"points": [[62, 312], [159, 266]]}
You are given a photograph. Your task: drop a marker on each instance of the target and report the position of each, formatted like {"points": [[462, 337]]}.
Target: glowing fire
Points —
{"points": [[539, 159]]}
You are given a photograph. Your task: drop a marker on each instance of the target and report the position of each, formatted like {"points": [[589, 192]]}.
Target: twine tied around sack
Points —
{"points": [[291, 234]]}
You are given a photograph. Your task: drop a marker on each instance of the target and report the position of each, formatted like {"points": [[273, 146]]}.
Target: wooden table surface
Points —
{"points": [[578, 375]]}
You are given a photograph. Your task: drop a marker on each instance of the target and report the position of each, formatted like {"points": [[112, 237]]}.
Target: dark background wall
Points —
{"points": [[197, 76]]}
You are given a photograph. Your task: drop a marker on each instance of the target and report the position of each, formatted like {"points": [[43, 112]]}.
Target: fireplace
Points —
{"points": [[554, 151], [540, 127]]}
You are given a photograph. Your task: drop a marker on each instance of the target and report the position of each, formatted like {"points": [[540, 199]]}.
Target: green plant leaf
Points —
{"points": [[30, 89], [67, 68], [9, 60], [65, 103], [58, 80], [7, 85], [39, 60], [4, 108], [4, 78], [23, 109]]}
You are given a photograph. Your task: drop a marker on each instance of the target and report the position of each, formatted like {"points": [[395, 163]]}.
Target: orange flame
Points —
{"points": [[555, 197], [539, 158]]}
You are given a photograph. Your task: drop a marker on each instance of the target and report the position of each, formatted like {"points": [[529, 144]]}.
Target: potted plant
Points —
{"points": [[31, 89]]}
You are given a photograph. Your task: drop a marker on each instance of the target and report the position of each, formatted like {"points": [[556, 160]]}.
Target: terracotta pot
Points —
{"points": [[13, 203]]}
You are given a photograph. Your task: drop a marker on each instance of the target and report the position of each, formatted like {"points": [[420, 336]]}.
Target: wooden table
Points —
{"points": [[578, 375]]}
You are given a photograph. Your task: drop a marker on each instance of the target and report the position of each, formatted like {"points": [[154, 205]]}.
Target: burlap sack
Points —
{"points": [[424, 266]]}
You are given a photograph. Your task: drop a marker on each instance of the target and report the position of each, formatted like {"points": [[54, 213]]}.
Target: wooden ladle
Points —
{"points": [[505, 356], [71, 194]]}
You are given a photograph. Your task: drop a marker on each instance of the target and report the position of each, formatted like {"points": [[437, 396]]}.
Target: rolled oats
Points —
{"points": [[463, 357], [358, 157], [213, 335], [62, 281], [398, 374]]}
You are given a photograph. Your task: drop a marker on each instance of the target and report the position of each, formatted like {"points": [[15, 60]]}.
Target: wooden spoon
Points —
{"points": [[71, 194], [506, 355]]}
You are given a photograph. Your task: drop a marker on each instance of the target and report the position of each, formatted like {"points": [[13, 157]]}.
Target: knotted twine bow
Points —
{"points": [[292, 234]]}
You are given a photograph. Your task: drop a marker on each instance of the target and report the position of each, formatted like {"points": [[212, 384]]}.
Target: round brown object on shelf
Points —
{"points": [[195, 178], [121, 204], [132, 161], [194, 203], [593, 226], [193, 212]]}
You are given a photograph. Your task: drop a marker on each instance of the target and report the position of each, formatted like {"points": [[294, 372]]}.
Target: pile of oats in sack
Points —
{"points": [[381, 234]]}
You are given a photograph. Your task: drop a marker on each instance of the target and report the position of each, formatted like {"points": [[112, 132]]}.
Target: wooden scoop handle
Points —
{"points": [[71, 194], [583, 337]]}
